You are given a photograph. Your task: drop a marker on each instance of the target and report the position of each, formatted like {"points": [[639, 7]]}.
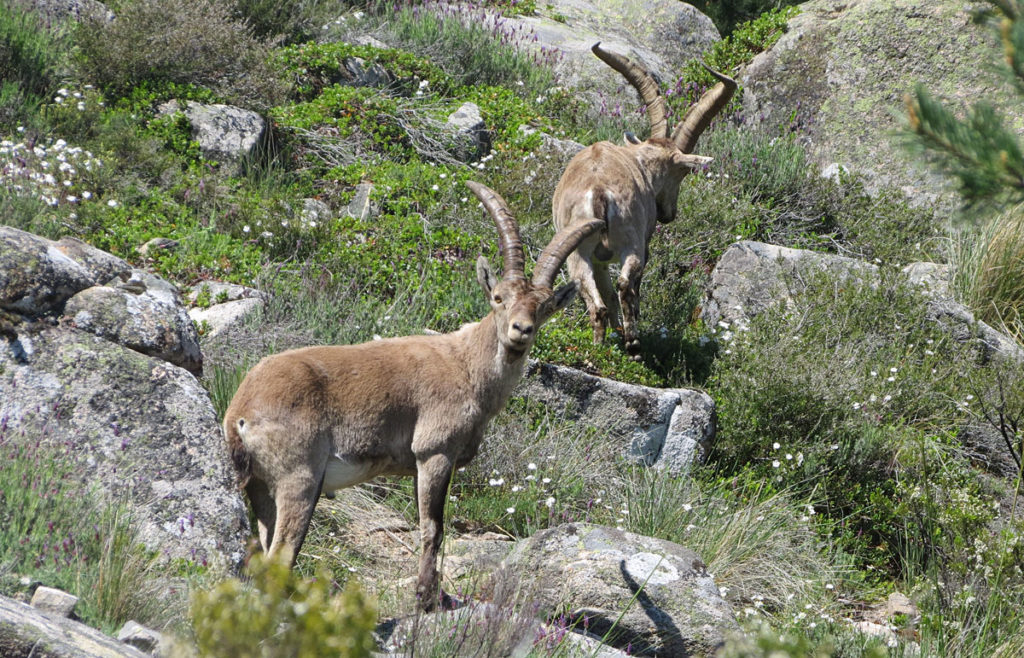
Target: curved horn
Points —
{"points": [[508, 230], [643, 82], [570, 237], [700, 115]]}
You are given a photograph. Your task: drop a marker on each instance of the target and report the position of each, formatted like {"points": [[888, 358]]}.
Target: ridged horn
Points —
{"points": [[643, 82], [508, 229], [570, 237], [700, 115]]}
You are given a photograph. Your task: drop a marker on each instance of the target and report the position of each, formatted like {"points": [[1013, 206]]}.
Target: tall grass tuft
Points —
{"points": [[988, 272]]}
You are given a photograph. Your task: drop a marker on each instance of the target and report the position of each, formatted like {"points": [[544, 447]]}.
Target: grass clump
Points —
{"points": [[278, 613], [988, 264], [55, 532]]}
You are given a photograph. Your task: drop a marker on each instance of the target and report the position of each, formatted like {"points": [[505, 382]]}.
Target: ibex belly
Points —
{"points": [[342, 473]]}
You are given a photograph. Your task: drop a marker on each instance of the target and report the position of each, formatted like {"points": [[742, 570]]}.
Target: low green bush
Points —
{"points": [[31, 56], [279, 613]]}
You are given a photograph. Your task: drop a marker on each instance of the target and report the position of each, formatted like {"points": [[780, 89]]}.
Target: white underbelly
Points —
{"points": [[341, 473]]}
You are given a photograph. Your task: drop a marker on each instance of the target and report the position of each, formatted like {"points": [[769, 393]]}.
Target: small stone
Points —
{"points": [[157, 244], [58, 602], [140, 637]]}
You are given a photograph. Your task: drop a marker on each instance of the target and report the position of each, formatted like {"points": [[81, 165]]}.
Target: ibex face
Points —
{"points": [[317, 419], [520, 308], [632, 187], [666, 166]]}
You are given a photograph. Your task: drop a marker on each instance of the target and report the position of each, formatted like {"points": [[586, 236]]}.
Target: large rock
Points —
{"points": [[145, 314], [664, 428], [656, 594], [752, 277], [86, 371], [230, 135], [37, 276], [661, 34], [25, 631], [490, 629], [138, 429], [844, 67]]}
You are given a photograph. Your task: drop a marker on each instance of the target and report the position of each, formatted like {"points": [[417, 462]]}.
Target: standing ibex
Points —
{"points": [[318, 419], [631, 187]]}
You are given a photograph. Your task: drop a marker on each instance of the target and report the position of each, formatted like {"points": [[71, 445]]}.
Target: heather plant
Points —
{"points": [[200, 43], [53, 530], [295, 21]]}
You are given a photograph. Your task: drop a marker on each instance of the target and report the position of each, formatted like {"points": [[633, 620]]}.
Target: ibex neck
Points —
{"points": [[495, 368]]}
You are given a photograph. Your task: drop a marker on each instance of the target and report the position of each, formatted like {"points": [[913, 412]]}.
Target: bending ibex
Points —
{"points": [[318, 419], [631, 187]]}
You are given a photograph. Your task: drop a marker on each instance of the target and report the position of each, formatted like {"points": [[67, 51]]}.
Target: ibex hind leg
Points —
{"points": [[296, 498], [264, 509], [593, 284], [629, 297]]}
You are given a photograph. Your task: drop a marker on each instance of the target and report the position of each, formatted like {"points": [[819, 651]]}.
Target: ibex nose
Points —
{"points": [[523, 328]]}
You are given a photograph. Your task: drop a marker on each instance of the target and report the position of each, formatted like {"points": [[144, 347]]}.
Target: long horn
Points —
{"points": [[570, 237], [645, 85], [700, 115], [508, 230]]}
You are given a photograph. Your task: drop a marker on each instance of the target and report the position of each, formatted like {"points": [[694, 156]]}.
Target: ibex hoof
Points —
{"points": [[439, 599]]}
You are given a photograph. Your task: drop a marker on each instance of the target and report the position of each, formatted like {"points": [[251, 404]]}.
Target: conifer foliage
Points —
{"points": [[979, 150]]}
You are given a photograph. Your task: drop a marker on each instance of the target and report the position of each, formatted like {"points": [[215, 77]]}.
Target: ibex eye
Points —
{"points": [[497, 299]]}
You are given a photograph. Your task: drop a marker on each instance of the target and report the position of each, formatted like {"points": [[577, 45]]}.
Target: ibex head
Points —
{"points": [[521, 306], [668, 158]]}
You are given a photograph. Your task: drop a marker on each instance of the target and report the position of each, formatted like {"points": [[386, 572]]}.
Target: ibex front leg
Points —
{"points": [[433, 474]]}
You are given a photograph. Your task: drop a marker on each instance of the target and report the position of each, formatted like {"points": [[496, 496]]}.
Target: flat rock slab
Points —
{"points": [[650, 595], [663, 428], [25, 631]]}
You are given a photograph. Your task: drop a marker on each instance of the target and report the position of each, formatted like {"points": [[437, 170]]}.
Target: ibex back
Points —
{"points": [[318, 419]]}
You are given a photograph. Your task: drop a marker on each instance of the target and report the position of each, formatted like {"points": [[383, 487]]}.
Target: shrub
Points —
{"points": [[30, 57], [729, 15], [182, 42], [278, 613], [727, 56], [785, 413], [294, 20]]}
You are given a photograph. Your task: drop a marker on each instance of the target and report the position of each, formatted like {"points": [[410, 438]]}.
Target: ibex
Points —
{"points": [[317, 419], [632, 188]]}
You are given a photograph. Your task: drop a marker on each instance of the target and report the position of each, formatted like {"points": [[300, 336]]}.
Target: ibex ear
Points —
{"points": [[484, 276], [630, 138], [563, 297], [691, 161]]}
